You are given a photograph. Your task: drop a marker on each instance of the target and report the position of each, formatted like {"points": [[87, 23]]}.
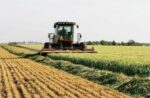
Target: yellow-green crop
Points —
{"points": [[131, 60]]}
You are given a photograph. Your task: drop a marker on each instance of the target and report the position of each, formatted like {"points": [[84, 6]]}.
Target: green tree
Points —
{"points": [[131, 42], [113, 42]]}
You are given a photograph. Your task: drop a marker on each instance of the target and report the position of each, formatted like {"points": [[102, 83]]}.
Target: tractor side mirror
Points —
{"points": [[50, 35], [79, 36]]}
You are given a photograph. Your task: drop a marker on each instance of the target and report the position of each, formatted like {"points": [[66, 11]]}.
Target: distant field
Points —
{"points": [[33, 46]]}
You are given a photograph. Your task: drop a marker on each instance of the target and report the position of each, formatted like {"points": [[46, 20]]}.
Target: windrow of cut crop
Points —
{"points": [[137, 86]]}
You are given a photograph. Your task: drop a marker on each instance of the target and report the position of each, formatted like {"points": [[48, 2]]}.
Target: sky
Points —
{"points": [[32, 20]]}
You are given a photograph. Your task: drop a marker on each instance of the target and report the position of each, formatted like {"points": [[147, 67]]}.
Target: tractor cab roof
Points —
{"points": [[64, 23]]}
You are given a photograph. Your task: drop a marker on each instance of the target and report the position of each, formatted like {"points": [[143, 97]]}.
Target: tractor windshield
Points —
{"points": [[65, 32], [67, 28]]}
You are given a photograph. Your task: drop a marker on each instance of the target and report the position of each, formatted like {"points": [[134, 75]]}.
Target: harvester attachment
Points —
{"points": [[57, 49]]}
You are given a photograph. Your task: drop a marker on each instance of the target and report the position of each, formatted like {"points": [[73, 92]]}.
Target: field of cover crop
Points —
{"points": [[24, 78]]}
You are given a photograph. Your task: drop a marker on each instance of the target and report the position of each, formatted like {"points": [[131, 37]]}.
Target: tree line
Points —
{"points": [[104, 42]]}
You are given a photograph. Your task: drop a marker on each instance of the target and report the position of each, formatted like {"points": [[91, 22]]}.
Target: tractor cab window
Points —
{"points": [[65, 32]]}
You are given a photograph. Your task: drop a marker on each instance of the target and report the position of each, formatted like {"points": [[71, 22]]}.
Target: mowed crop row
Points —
{"points": [[23, 78]]}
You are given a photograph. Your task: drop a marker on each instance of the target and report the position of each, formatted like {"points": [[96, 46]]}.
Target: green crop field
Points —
{"points": [[126, 59]]}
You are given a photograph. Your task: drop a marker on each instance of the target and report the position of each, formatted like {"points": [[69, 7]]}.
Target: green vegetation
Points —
{"points": [[137, 86], [103, 42]]}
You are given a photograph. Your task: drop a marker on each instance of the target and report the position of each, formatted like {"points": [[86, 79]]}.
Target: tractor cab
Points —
{"points": [[64, 32]]}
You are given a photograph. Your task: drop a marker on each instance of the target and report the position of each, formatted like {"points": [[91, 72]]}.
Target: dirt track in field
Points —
{"points": [[23, 78]]}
